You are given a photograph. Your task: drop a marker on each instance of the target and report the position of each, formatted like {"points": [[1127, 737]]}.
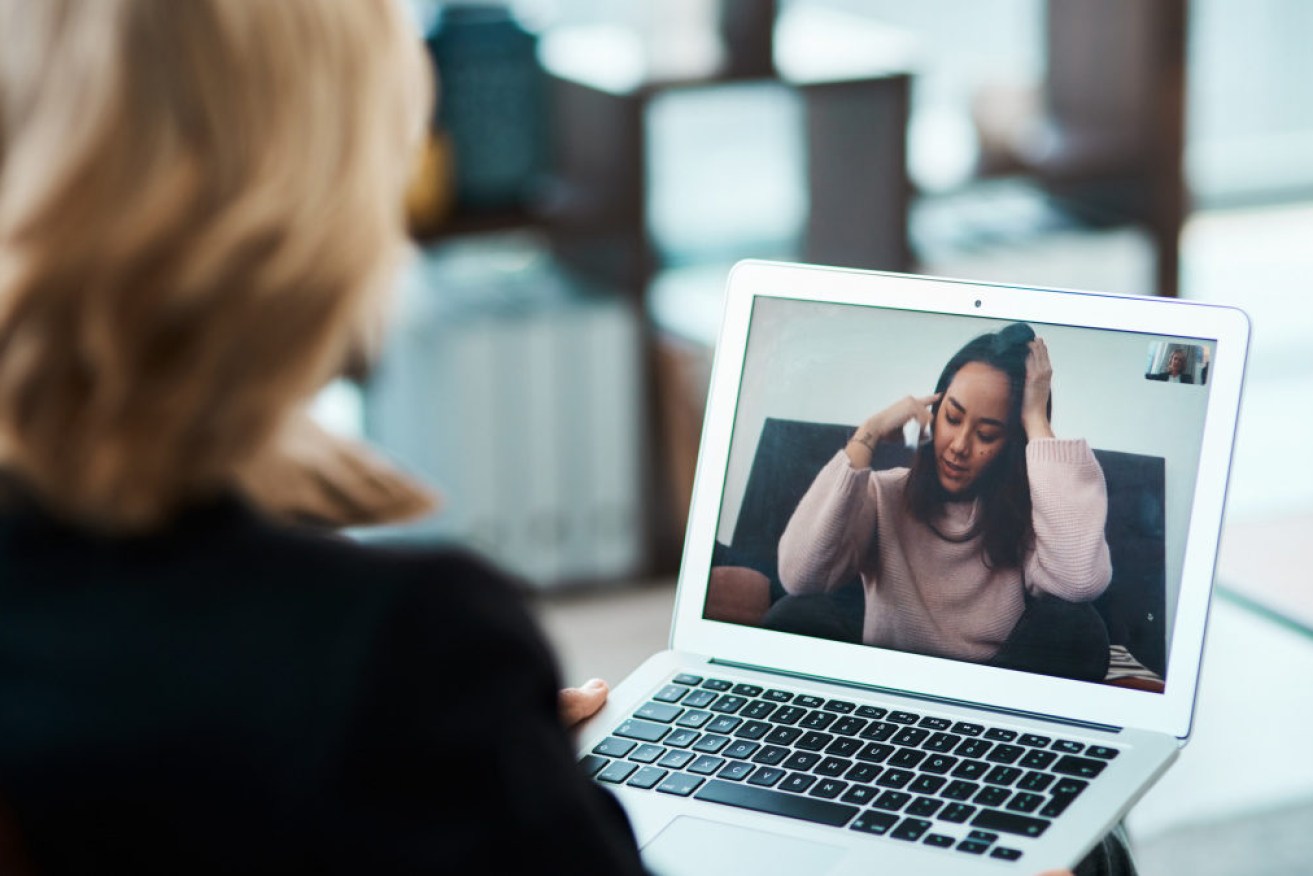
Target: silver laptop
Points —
{"points": [[832, 700]]}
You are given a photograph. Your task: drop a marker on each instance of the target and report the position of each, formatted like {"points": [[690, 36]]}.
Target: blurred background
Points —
{"points": [[595, 166]]}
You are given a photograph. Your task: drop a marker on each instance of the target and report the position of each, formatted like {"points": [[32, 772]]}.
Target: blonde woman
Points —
{"points": [[200, 206]]}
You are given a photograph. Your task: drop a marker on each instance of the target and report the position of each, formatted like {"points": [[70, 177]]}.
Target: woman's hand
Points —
{"points": [[578, 704], [887, 425], [1035, 396]]}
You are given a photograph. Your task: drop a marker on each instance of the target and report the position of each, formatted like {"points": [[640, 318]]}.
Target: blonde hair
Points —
{"points": [[200, 202]]}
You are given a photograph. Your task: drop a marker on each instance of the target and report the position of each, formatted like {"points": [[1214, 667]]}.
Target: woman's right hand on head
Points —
{"points": [[887, 425]]}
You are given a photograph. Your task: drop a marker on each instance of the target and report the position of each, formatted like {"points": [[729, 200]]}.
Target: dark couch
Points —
{"points": [[791, 452]]}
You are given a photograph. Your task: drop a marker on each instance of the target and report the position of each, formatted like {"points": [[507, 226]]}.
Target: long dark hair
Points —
{"points": [[1003, 518]]}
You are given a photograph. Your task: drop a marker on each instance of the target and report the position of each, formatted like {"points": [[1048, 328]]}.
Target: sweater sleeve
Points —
{"points": [[1069, 507], [829, 531]]}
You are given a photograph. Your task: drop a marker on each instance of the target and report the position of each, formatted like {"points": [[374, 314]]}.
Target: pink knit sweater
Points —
{"points": [[933, 596]]}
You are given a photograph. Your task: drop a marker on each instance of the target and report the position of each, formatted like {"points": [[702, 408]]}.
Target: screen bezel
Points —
{"points": [[1170, 711]]}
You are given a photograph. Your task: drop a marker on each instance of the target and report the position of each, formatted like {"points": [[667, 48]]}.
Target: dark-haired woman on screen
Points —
{"points": [[994, 518]]}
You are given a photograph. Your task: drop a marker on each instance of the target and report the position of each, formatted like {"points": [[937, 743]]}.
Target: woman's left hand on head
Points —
{"points": [[578, 704], [1035, 396]]}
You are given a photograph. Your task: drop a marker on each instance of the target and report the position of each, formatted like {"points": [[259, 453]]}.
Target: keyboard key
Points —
{"points": [[770, 755], [747, 690], [907, 758], [1033, 741], [962, 728], [617, 772], [1024, 802], [970, 769], [679, 784], [677, 760], [741, 750], [924, 807], [612, 747], [802, 760], [1070, 787], [912, 736], [957, 813], [942, 742], [814, 740], [879, 731], [808, 702], [878, 823], [694, 718], [736, 771], [932, 723], [1005, 854], [863, 772], [844, 746], [992, 795], [724, 724], [871, 713], [778, 696], [971, 847], [875, 752], [647, 777], [758, 709], [671, 693], [591, 763], [1037, 760], [1000, 735], [849, 726], [982, 836], [895, 778], [783, 735], [843, 707], [711, 743], [927, 784], [939, 764], [663, 712], [976, 748], [892, 800], [728, 704], [797, 783], [777, 802], [911, 829], [832, 767], [706, 765], [828, 789], [647, 753], [1081, 767], [765, 776], [699, 699], [687, 679], [753, 730], [817, 720], [859, 794], [1005, 754], [681, 738], [1008, 822], [939, 841], [960, 790], [644, 731], [904, 717], [788, 715], [716, 684], [1035, 781], [1066, 746], [1002, 775], [1101, 751]]}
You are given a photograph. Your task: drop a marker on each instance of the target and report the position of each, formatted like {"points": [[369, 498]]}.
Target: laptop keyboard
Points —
{"points": [[911, 776]]}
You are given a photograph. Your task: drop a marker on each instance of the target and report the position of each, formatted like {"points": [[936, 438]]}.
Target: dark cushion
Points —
{"points": [[791, 452]]}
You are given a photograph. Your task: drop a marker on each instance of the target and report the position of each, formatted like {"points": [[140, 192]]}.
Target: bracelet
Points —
{"points": [[868, 442]]}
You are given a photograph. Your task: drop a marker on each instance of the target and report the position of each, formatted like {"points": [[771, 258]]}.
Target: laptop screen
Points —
{"points": [[980, 490]]}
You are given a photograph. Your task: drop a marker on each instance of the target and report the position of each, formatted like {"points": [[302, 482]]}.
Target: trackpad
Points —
{"points": [[697, 847]]}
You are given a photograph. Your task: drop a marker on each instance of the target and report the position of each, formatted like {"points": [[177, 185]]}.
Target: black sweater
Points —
{"points": [[230, 695]]}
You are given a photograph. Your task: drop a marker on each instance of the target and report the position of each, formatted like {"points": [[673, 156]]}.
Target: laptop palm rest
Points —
{"points": [[697, 847]]}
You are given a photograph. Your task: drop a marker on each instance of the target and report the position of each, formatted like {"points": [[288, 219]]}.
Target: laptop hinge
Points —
{"points": [[976, 706]]}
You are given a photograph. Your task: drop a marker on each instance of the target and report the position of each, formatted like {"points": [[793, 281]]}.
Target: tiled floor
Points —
{"points": [[1239, 798]]}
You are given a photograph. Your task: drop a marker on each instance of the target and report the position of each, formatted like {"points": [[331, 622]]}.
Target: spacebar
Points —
{"points": [[777, 802]]}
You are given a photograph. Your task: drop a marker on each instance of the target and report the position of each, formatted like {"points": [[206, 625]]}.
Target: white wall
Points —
{"points": [[839, 364]]}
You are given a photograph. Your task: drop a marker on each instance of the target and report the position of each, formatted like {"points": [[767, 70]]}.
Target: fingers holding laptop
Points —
{"points": [[887, 425], [578, 704]]}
